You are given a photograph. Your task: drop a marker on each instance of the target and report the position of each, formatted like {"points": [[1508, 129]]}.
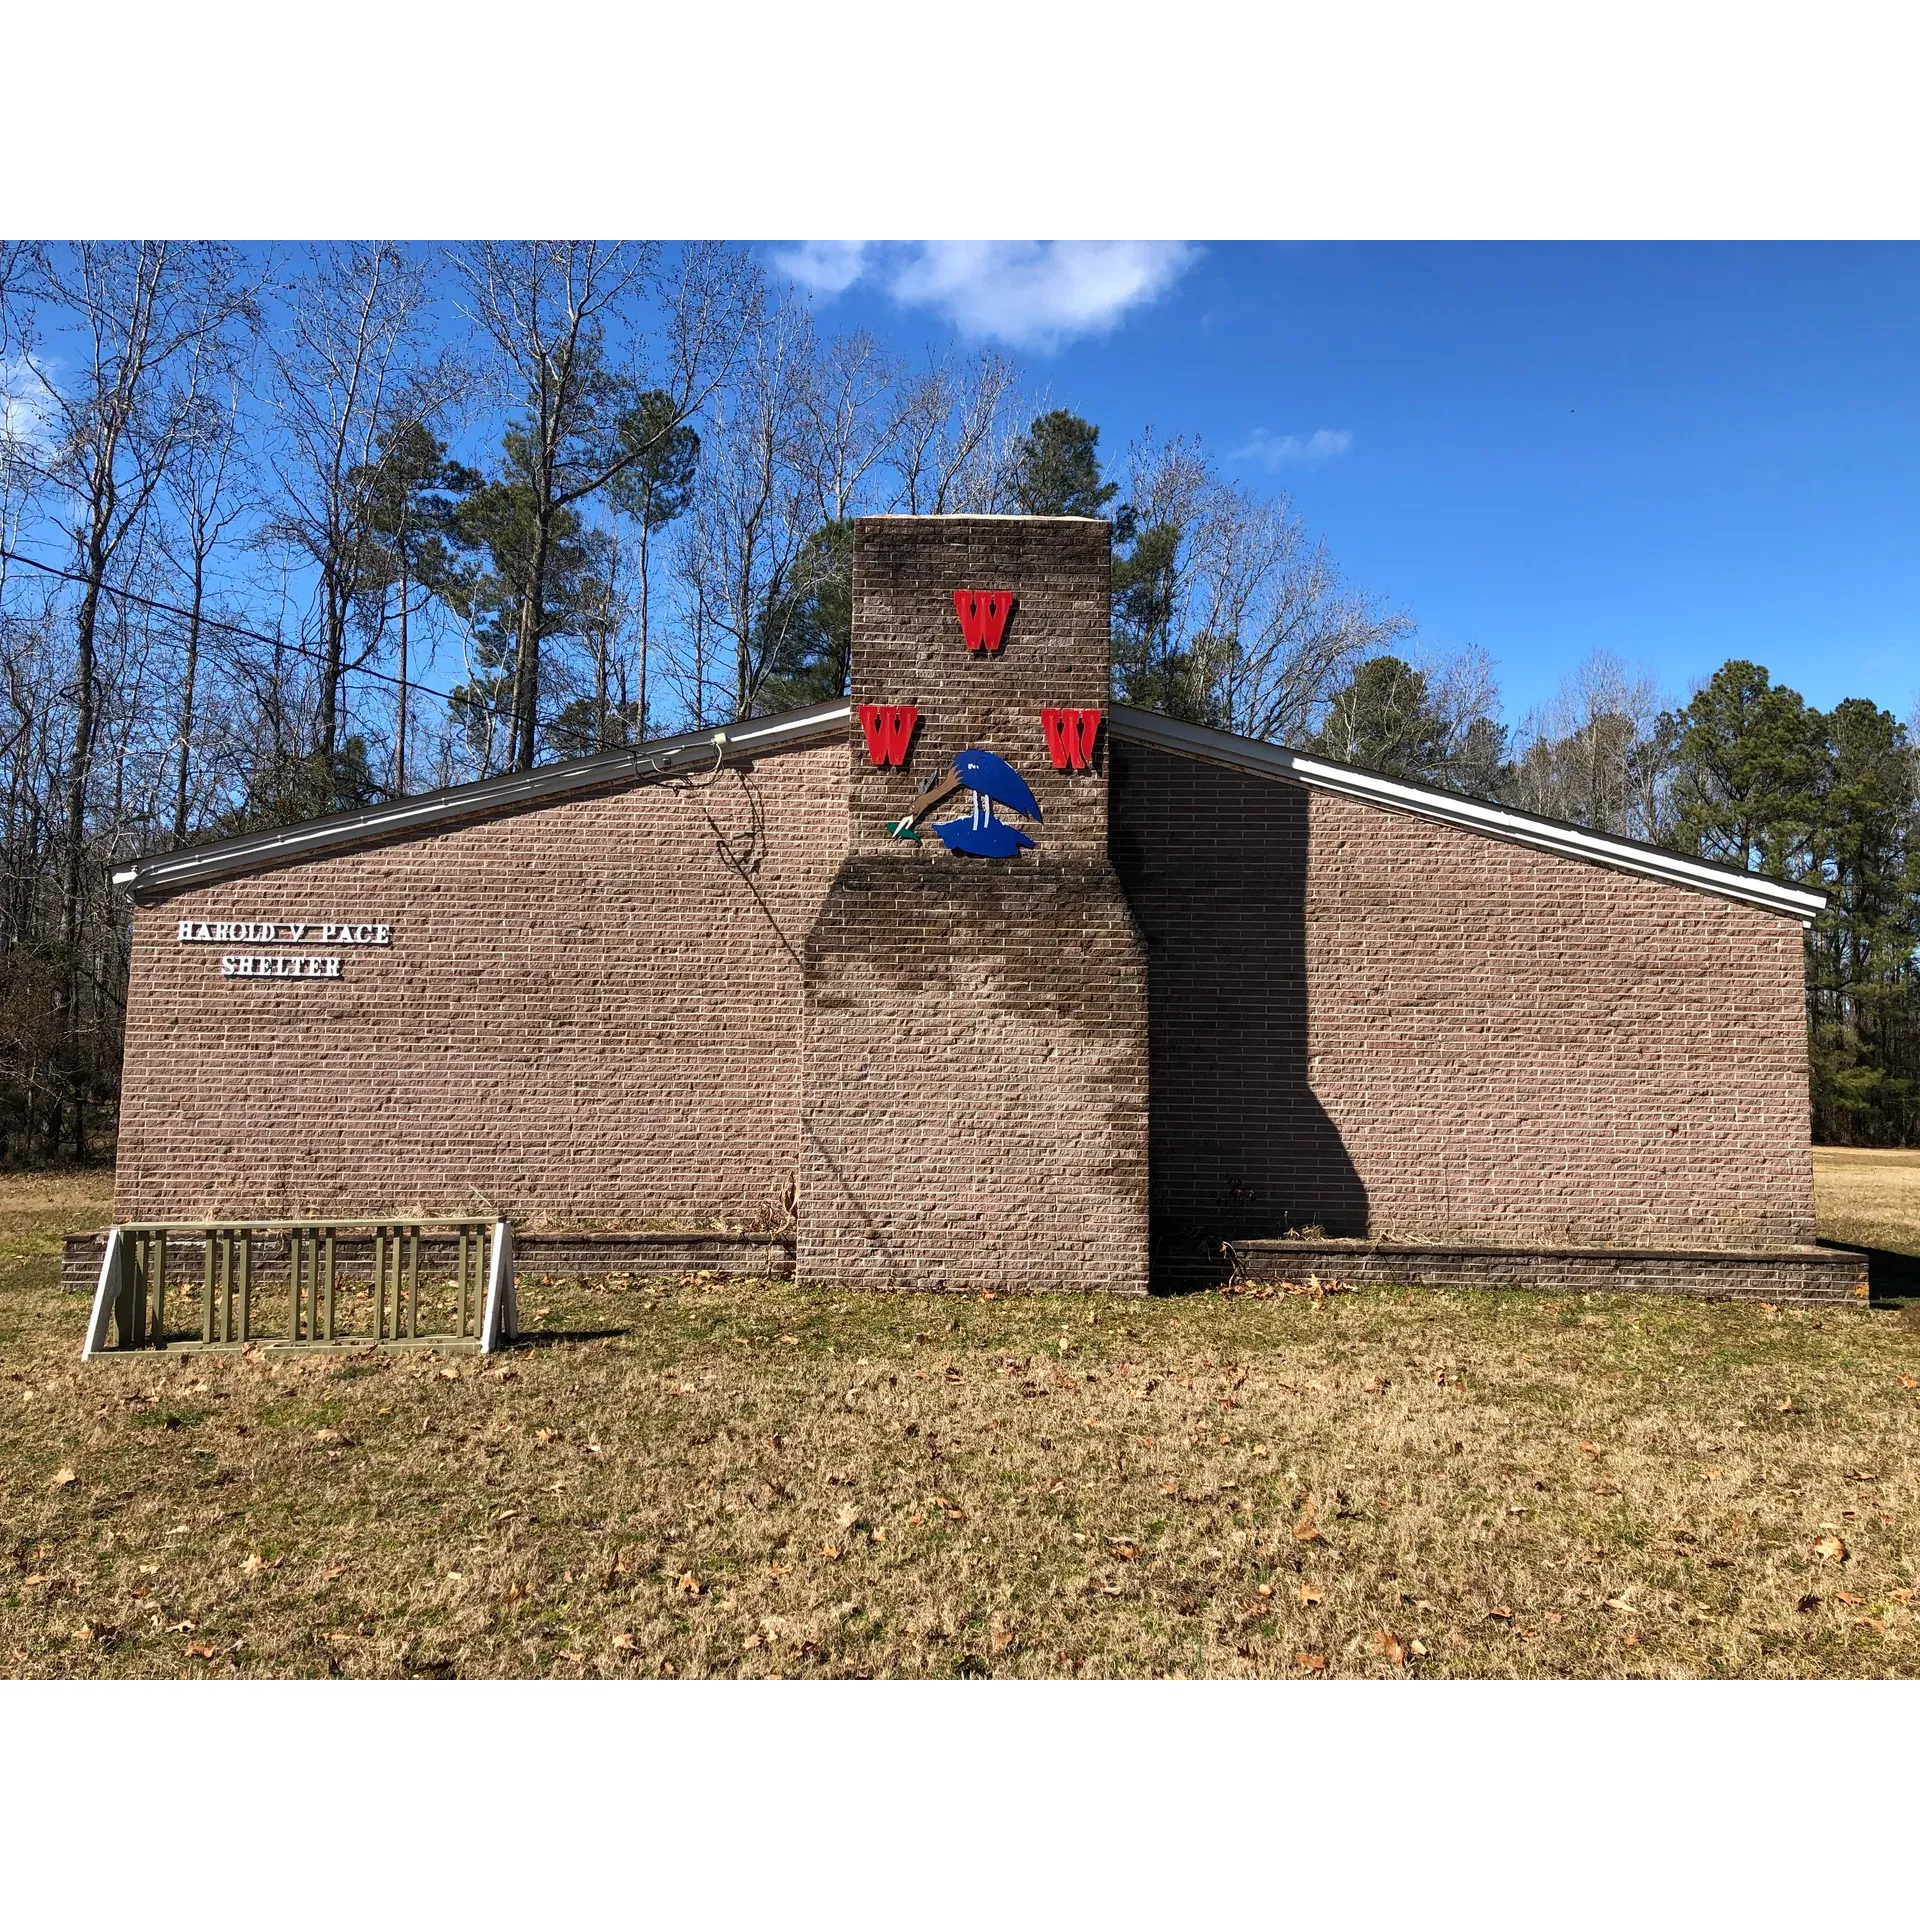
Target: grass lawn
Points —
{"points": [[755, 1478], [1869, 1196]]}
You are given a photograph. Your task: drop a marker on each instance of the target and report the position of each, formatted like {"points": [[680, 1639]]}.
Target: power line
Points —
{"points": [[461, 704]]}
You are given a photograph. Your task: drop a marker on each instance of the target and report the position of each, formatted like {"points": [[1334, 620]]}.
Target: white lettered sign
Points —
{"points": [[333, 934]]}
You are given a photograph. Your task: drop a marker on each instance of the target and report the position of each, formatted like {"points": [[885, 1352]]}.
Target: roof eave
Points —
{"points": [[1263, 758], [163, 873]]}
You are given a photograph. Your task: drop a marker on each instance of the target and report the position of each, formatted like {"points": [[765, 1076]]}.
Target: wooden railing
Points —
{"points": [[344, 1282]]}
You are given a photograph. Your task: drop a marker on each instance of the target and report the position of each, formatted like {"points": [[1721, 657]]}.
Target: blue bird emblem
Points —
{"points": [[987, 778]]}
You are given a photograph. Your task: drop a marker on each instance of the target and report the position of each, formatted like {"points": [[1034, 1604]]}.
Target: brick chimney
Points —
{"points": [[974, 1107]]}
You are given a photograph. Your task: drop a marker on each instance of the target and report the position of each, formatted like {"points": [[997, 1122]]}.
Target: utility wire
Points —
{"points": [[466, 705]]}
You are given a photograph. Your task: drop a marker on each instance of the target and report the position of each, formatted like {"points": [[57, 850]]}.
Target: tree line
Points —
{"points": [[287, 533]]}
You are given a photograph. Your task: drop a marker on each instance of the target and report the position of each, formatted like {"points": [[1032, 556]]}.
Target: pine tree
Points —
{"points": [[1056, 468], [1749, 767], [1860, 963]]}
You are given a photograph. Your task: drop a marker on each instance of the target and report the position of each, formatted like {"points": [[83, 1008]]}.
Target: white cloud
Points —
{"points": [[1038, 293], [1025, 293], [824, 266], [1274, 450], [26, 410]]}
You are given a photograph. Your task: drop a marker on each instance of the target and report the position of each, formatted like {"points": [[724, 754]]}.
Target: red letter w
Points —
{"points": [[1071, 732], [983, 618], [888, 731]]}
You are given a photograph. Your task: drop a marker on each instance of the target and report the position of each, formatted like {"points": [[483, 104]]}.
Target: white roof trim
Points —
{"points": [[162, 873], [1457, 810]]}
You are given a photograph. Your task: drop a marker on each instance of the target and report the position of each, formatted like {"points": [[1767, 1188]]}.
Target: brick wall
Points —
{"points": [[974, 1109], [589, 1015], [1375, 1023]]}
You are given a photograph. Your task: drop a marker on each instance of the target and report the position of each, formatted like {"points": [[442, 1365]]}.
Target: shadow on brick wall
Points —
{"points": [[1214, 863]]}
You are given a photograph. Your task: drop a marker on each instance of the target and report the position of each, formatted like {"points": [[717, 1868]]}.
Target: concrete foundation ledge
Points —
{"points": [[535, 1251], [1805, 1276]]}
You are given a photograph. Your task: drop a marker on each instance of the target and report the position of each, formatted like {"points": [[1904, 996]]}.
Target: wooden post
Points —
{"points": [[160, 1289], [326, 1234], [413, 1283], [246, 1284]]}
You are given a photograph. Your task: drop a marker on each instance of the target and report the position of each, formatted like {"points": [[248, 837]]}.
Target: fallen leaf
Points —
{"points": [[1304, 1529], [64, 1478], [1587, 1446], [1907, 1381], [1808, 1602], [1310, 1662], [1389, 1648], [1264, 1591], [1506, 1613], [333, 1573], [1831, 1547], [199, 1650], [1418, 1650], [1852, 1599], [1374, 1386], [687, 1584], [626, 1643], [846, 1517], [1308, 1596], [449, 1373], [830, 1551], [1002, 1639], [1620, 1603], [789, 1339], [252, 1563], [1901, 1593]]}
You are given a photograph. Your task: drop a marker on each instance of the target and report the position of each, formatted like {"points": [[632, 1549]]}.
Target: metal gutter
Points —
{"points": [[162, 873], [1476, 816]]}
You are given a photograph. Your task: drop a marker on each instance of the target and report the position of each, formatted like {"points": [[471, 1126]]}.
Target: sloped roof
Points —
{"points": [[163, 873], [702, 752], [1458, 810]]}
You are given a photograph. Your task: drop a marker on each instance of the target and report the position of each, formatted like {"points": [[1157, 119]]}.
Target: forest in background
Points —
{"points": [[286, 532]]}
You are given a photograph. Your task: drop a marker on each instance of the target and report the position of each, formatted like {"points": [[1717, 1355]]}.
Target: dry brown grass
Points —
{"points": [[756, 1478], [1868, 1196]]}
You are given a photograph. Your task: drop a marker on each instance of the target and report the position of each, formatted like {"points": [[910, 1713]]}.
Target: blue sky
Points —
{"points": [[1679, 452]]}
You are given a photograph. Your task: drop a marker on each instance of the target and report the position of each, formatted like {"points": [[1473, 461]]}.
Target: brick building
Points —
{"points": [[1214, 993]]}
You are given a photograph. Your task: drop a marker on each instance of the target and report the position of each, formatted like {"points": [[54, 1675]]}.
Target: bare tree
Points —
{"points": [[128, 319], [1590, 754], [207, 493], [953, 435], [755, 504], [562, 319], [1227, 611], [354, 339], [849, 414]]}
